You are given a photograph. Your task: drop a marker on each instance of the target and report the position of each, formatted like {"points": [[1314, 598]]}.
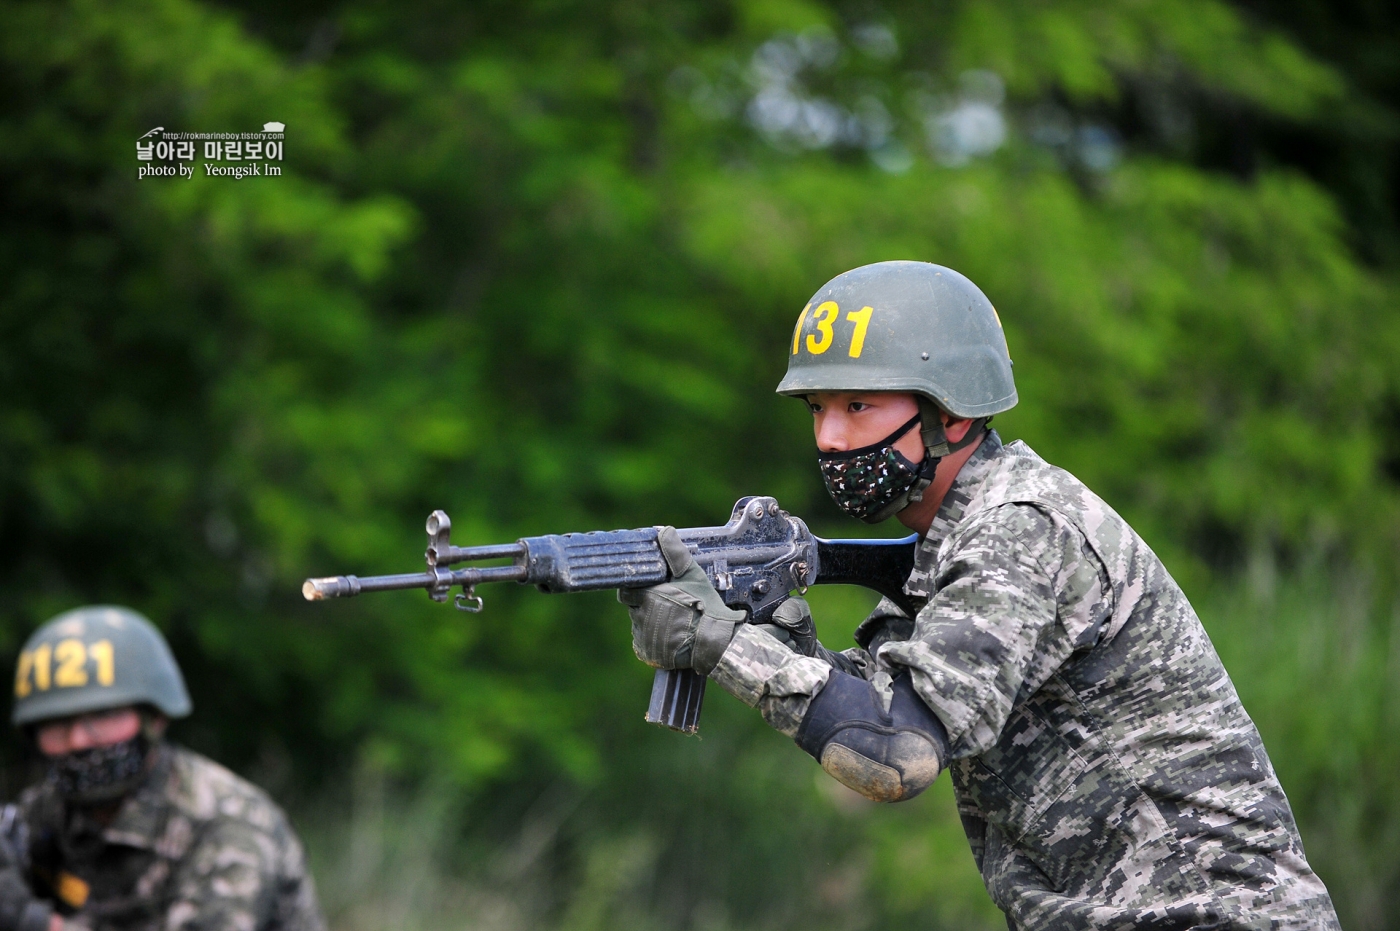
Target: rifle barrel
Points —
{"points": [[344, 586]]}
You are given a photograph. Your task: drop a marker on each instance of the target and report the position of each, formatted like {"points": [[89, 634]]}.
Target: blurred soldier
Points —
{"points": [[128, 831], [1106, 773]]}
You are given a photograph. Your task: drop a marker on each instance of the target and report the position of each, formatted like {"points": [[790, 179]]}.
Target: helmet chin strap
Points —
{"points": [[936, 443]]}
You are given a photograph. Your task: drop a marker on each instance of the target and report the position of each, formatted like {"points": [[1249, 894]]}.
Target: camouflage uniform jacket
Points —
{"points": [[1106, 772], [193, 848]]}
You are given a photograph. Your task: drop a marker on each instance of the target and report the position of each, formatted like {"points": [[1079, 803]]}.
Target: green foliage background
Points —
{"points": [[533, 263]]}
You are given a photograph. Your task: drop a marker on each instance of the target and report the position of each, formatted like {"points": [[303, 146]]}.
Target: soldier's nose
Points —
{"points": [[830, 439]]}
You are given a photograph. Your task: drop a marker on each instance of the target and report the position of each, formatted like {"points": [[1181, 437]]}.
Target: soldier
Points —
{"points": [[1106, 773], [127, 831]]}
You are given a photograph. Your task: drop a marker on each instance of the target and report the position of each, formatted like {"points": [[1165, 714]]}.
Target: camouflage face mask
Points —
{"points": [[874, 482], [100, 774]]}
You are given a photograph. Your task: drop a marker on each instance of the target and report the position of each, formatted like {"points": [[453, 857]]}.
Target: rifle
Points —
{"points": [[14, 837], [754, 561]]}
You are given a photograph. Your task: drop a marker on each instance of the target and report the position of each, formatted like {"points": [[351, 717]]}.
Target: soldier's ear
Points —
{"points": [[153, 724], [955, 428]]}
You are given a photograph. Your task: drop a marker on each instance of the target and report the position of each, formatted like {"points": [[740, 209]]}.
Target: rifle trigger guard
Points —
{"points": [[468, 600]]}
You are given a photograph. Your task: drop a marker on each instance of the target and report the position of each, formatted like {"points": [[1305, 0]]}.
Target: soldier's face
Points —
{"points": [[845, 420], [84, 731]]}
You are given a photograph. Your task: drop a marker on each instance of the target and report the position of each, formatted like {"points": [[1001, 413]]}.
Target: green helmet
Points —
{"points": [[93, 659], [903, 326]]}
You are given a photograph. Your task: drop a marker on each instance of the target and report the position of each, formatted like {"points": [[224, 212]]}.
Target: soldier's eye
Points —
{"points": [[857, 406], [815, 408]]}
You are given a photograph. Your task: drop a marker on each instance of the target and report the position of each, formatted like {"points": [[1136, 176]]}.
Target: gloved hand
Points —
{"points": [[792, 624], [683, 623], [20, 910]]}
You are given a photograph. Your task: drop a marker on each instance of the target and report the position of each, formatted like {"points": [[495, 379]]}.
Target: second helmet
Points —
{"points": [[93, 659]]}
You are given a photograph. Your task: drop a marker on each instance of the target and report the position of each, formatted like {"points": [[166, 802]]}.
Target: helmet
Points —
{"points": [[903, 326], [93, 659]]}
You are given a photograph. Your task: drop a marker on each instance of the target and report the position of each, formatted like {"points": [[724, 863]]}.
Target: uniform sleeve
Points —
{"points": [[763, 672], [226, 882], [1018, 591]]}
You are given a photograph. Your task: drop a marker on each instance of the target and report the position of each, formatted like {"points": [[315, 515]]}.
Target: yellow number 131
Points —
{"points": [[823, 318]]}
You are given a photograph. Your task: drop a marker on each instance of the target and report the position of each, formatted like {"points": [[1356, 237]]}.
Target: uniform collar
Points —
{"points": [[964, 489], [967, 487], [140, 820]]}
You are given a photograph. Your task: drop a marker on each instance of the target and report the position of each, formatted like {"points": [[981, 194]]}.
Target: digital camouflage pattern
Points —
{"points": [[1106, 772], [193, 848], [866, 482]]}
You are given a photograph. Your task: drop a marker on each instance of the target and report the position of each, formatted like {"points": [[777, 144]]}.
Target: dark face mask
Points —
{"points": [[876, 481], [100, 774]]}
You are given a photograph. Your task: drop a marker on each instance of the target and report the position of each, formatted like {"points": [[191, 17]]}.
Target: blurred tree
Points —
{"points": [[1352, 149]]}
